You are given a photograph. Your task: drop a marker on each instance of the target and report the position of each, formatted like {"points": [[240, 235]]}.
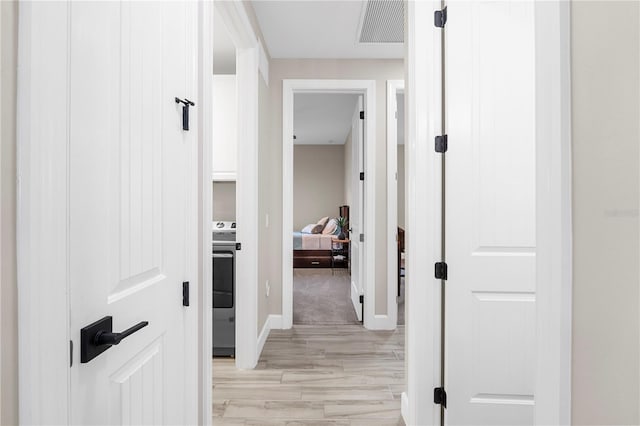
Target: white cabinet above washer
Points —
{"points": [[225, 131]]}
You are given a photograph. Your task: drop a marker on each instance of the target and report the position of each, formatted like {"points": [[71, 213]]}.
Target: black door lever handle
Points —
{"points": [[99, 336], [104, 338]]}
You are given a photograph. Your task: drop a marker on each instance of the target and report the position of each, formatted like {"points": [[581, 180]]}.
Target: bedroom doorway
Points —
{"points": [[327, 159]]}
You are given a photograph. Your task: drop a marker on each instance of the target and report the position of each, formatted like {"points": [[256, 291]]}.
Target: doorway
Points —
{"points": [[362, 292], [327, 196]]}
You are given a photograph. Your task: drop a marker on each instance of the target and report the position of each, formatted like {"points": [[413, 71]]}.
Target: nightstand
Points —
{"points": [[339, 254]]}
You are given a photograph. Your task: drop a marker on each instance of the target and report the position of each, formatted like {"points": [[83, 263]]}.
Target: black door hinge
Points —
{"points": [[362, 238], [441, 143], [440, 397], [185, 293], [70, 353], [361, 175], [441, 270], [440, 18], [361, 298], [238, 246], [361, 115]]}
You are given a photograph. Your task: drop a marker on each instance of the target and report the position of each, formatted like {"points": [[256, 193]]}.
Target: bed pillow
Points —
{"points": [[331, 227], [323, 222], [312, 228], [308, 229]]}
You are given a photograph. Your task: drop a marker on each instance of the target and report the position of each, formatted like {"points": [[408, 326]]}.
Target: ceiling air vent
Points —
{"points": [[383, 22]]}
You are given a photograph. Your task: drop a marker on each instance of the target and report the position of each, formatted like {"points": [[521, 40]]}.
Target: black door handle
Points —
{"points": [[104, 338], [99, 336]]}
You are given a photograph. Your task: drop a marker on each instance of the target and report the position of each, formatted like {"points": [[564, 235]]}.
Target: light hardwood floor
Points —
{"points": [[315, 375]]}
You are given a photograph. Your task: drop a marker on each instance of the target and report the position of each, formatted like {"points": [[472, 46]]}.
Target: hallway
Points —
{"points": [[315, 375]]}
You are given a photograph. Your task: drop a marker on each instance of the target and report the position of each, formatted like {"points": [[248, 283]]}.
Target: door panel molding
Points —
{"points": [[43, 228], [552, 384]]}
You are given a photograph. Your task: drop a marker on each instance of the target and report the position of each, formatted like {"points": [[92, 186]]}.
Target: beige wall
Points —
{"points": [[8, 290], [267, 269], [318, 183], [268, 235], [606, 136], [401, 186], [358, 69], [224, 201]]}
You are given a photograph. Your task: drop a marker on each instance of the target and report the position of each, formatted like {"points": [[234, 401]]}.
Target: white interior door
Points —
{"points": [[357, 210], [132, 210], [491, 247]]}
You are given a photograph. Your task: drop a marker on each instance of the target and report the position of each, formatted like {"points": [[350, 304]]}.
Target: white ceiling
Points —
{"points": [[318, 29], [322, 119], [224, 51]]}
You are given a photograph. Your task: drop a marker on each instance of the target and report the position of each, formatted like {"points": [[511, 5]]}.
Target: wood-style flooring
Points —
{"points": [[315, 375]]}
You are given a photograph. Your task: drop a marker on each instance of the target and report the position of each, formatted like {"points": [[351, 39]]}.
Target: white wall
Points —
{"points": [[606, 138], [224, 201], [318, 183], [8, 290]]}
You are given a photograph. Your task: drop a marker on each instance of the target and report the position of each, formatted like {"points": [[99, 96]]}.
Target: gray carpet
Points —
{"points": [[322, 298]]}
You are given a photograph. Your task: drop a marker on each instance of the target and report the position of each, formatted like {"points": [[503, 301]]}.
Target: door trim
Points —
{"points": [[393, 88], [205, 211], [553, 214], [368, 88], [239, 27], [554, 258], [42, 212]]}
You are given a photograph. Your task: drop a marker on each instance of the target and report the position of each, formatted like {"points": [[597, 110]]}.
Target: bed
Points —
{"points": [[314, 250]]}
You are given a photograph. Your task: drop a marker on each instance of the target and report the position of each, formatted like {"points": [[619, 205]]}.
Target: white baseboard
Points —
{"points": [[272, 322], [275, 322], [404, 407], [382, 322]]}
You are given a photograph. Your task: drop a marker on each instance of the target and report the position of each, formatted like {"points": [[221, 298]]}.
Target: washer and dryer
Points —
{"points": [[224, 288]]}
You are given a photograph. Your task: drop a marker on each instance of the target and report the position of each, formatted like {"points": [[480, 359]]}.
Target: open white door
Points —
{"points": [[357, 210], [132, 221], [490, 213]]}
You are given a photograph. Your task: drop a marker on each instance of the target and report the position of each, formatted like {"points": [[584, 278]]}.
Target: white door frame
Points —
{"points": [[368, 88], [241, 31], [42, 227], [393, 88], [553, 213]]}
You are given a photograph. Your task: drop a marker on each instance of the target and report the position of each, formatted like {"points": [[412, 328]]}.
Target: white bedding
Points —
{"points": [[315, 242]]}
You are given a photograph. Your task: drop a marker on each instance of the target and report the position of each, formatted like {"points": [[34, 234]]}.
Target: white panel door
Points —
{"points": [[490, 226], [132, 210], [357, 210]]}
